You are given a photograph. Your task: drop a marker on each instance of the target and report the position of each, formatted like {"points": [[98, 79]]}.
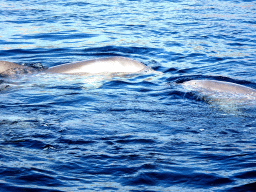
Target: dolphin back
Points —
{"points": [[9, 68], [103, 65], [220, 86]]}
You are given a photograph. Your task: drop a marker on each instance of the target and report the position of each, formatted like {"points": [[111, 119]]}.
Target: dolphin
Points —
{"points": [[220, 87], [7, 68], [103, 65], [96, 66], [229, 97]]}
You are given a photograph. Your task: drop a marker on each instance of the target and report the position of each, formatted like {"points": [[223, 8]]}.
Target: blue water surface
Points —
{"points": [[140, 132]]}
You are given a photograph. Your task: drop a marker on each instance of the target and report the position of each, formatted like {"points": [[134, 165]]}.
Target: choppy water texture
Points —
{"points": [[136, 133]]}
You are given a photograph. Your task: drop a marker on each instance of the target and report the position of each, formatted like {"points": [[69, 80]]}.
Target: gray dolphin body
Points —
{"points": [[103, 65], [6, 68], [220, 86]]}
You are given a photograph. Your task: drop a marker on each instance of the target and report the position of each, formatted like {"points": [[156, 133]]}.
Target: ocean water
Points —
{"points": [[141, 132]]}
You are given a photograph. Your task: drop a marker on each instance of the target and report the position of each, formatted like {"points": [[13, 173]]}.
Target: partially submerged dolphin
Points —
{"points": [[6, 67], [103, 65], [226, 96], [221, 86]]}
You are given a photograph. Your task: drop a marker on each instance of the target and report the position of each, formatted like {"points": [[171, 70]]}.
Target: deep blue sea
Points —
{"points": [[141, 132]]}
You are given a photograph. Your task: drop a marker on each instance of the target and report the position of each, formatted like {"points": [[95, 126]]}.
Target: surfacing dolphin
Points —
{"points": [[222, 92], [103, 65], [221, 87], [96, 66], [228, 97], [6, 67]]}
